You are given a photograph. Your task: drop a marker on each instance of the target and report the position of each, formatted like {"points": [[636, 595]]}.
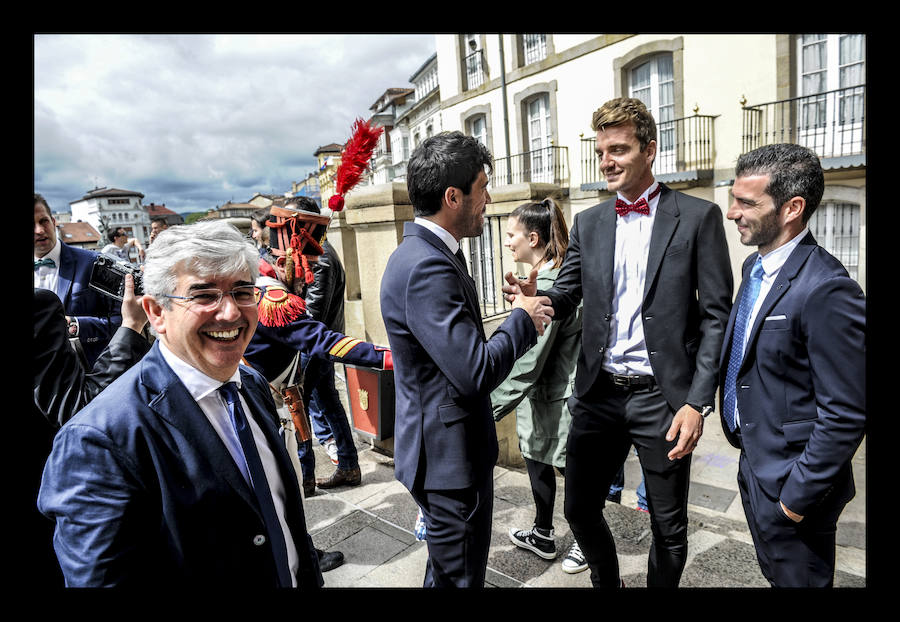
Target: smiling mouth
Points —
{"points": [[223, 335]]}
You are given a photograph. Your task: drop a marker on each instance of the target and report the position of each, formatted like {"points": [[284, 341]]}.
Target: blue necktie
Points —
{"points": [[258, 481], [44, 261], [748, 299]]}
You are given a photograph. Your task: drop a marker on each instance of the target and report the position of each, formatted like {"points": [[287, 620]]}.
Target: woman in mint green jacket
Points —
{"points": [[536, 233]]}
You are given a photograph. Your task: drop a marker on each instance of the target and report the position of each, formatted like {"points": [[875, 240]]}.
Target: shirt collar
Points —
{"points": [[54, 253], [448, 239], [198, 384], [773, 260], [644, 194]]}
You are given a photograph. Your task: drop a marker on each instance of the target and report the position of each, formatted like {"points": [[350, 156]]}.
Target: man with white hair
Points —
{"points": [[175, 475]]}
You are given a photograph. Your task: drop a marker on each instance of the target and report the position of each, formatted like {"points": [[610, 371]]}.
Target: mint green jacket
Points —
{"points": [[545, 375]]}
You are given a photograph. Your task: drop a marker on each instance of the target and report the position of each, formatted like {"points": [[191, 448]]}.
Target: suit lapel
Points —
{"points": [[605, 239], [664, 224], [65, 274], [729, 328], [779, 288], [175, 405]]}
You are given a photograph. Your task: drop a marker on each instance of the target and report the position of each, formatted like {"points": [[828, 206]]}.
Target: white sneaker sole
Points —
{"points": [[574, 569], [528, 547]]}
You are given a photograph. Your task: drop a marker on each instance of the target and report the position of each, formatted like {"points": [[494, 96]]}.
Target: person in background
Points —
{"points": [[158, 224], [119, 245]]}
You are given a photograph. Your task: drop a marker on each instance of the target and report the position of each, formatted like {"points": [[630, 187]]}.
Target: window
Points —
{"points": [[478, 129], [653, 83], [832, 92], [481, 262], [835, 226], [534, 48], [539, 138], [473, 61]]}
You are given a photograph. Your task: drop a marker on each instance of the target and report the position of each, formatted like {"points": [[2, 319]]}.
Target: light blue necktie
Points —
{"points": [[748, 299], [44, 261], [258, 481]]}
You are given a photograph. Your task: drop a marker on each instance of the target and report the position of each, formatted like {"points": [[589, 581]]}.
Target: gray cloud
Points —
{"points": [[193, 121]]}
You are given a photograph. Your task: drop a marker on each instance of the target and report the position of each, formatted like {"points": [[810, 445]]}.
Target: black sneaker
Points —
{"points": [[574, 561], [541, 544]]}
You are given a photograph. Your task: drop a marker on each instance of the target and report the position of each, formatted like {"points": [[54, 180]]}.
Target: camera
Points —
{"points": [[108, 277]]}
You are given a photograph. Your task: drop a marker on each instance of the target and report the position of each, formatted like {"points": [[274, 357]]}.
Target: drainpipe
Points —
{"points": [[505, 111]]}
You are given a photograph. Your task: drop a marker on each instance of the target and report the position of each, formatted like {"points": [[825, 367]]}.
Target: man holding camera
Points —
{"points": [[66, 270]]}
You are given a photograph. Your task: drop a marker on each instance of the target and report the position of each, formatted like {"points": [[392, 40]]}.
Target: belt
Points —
{"points": [[632, 382]]}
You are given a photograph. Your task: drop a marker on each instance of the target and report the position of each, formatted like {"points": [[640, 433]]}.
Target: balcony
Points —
{"points": [[549, 165], [685, 152], [832, 124], [474, 64]]}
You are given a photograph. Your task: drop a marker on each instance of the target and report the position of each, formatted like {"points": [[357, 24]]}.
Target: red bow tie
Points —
{"points": [[641, 206]]}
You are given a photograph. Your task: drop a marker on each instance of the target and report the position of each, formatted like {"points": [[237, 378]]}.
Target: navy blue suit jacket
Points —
{"points": [[801, 388], [98, 315], [444, 366], [144, 492]]}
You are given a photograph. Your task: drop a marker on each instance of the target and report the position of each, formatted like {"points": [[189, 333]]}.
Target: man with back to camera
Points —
{"points": [[175, 474], [793, 369], [66, 270], [445, 443], [652, 268]]}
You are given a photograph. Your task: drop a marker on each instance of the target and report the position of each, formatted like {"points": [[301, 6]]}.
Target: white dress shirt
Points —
{"points": [[448, 239], [205, 391], [772, 263], [626, 351], [46, 277]]}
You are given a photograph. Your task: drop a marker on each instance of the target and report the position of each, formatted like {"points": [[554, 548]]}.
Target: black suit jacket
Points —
{"points": [[325, 296], [687, 294]]}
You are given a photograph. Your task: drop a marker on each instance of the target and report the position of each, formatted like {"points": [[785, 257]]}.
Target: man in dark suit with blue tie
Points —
{"points": [[66, 270], [445, 368], [175, 475], [793, 369]]}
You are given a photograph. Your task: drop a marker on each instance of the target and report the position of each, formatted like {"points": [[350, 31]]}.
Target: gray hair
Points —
{"points": [[211, 248]]}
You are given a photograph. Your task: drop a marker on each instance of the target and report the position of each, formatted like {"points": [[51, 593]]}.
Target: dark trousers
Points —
{"points": [[543, 489], [790, 554], [605, 423], [458, 528]]}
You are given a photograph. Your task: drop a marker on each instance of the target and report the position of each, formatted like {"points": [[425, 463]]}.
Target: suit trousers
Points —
{"points": [[790, 554], [458, 533], [606, 421]]}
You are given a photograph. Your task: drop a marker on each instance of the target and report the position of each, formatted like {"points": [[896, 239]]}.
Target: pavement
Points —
{"points": [[372, 525]]}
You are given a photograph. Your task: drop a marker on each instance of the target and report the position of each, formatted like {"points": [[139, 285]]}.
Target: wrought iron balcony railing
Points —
{"points": [[833, 123], [686, 144], [548, 165], [474, 64]]}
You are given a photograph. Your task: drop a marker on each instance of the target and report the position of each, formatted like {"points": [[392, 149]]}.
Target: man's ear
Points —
{"points": [[793, 210], [453, 197], [155, 314]]}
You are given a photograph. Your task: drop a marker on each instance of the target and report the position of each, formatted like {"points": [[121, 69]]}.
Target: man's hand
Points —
{"points": [[791, 515], [133, 315], [538, 307], [687, 426], [516, 286]]}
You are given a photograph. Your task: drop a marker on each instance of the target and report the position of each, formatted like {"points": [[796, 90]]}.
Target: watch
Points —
{"points": [[703, 410], [72, 327]]}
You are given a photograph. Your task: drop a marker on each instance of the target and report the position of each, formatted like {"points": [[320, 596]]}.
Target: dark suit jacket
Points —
{"points": [[145, 493], [98, 316], [801, 388], [62, 385], [687, 294], [444, 366]]}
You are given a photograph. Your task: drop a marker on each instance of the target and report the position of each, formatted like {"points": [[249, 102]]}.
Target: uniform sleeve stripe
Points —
{"points": [[342, 350]]}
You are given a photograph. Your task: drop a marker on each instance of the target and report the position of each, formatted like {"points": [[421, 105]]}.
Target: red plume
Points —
{"points": [[354, 159]]}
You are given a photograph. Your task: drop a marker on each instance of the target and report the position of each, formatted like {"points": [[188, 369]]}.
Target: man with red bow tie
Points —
{"points": [[652, 267]]}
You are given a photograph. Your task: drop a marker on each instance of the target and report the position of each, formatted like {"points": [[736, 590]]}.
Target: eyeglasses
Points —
{"points": [[209, 299]]}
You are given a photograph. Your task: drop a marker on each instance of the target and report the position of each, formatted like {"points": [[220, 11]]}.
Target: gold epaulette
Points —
{"points": [[342, 347], [278, 307]]}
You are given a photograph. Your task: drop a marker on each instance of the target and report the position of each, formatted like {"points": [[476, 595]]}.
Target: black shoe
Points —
{"points": [[616, 498], [541, 544], [309, 487], [329, 560], [341, 477]]}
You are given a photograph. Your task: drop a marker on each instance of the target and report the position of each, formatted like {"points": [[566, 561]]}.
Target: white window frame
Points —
{"points": [[658, 94]]}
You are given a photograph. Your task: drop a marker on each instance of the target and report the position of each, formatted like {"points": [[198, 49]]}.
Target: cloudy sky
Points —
{"points": [[193, 121]]}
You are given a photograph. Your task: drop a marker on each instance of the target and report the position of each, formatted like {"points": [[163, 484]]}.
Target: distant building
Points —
{"points": [[108, 208], [329, 158], [80, 234], [391, 104], [417, 121]]}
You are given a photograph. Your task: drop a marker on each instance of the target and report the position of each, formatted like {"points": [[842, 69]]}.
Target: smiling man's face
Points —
{"points": [[212, 341]]}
